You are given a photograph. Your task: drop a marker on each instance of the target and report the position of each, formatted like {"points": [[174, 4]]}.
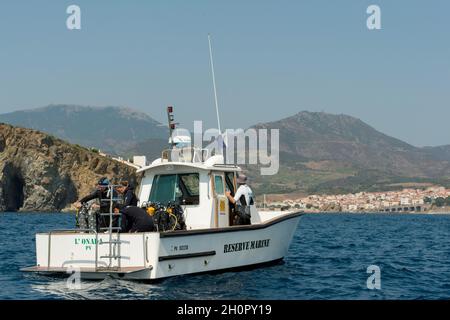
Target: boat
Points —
{"points": [[210, 241]]}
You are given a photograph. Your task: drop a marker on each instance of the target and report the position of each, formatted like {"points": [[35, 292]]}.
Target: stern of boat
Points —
{"points": [[95, 255]]}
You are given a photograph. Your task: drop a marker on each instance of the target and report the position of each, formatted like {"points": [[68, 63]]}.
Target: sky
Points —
{"points": [[272, 59]]}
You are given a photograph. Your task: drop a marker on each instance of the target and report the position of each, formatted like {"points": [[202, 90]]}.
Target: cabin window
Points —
{"points": [[191, 183], [218, 185], [181, 188]]}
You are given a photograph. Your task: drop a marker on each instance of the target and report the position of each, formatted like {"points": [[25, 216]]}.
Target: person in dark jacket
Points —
{"points": [[137, 219], [102, 193], [127, 191], [129, 199]]}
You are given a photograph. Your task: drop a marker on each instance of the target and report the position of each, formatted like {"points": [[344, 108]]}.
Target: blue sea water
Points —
{"points": [[328, 259]]}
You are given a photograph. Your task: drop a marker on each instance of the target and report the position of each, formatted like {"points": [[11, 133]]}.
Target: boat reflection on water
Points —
{"points": [[108, 288], [226, 285]]}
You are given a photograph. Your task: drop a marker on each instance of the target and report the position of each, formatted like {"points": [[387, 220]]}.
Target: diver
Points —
{"points": [[127, 191], [137, 219], [242, 200], [103, 194]]}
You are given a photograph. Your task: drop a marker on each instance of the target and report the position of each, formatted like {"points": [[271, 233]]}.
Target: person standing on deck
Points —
{"points": [[103, 194], [129, 197], [242, 199]]}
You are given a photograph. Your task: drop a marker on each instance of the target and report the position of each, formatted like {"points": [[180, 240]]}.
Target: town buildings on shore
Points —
{"points": [[406, 200]]}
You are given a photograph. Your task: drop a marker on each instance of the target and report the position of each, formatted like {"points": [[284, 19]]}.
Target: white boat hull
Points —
{"points": [[146, 256]]}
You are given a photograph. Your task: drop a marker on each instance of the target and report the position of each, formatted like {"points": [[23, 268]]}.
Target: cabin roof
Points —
{"points": [[213, 163]]}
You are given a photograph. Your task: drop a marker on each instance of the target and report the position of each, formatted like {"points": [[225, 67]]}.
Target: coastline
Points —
{"points": [[443, 210], [434, 211]]}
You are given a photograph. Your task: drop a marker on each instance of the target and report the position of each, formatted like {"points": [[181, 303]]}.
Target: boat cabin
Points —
{"points": [[195, 181]]}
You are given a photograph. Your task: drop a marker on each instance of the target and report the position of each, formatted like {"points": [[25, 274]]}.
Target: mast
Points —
{"points": [[172, 124], [214, 82]]}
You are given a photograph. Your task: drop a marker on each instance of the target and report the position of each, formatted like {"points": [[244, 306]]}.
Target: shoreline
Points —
{"points": [[378, 212], [444, 210]]}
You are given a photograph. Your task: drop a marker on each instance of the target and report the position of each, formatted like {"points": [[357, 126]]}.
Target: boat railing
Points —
{"points": [[188, 154], [113, 242], [49, 243]]}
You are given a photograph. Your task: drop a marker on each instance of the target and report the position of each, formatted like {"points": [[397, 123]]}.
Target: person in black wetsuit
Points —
{"points": [[102, 193], [137, 219], [129, 197]]}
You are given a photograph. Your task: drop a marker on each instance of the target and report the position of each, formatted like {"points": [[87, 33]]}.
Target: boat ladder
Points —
{"points": [[114, 241]]}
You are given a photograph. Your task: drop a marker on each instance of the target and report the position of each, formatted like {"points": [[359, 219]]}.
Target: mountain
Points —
{"points": [[321, 152], [439, 153], [41, 173], [111, 129]]}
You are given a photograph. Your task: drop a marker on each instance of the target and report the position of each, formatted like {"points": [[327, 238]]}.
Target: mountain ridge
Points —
{"points": [[319, 152], [331, 151], [109, 128]]}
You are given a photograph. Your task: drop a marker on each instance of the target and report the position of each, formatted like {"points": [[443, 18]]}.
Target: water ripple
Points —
{"points": [[327, 259]]}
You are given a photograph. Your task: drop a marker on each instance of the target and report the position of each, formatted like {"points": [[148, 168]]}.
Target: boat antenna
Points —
{"points": [[214, 81], [172, 124]]}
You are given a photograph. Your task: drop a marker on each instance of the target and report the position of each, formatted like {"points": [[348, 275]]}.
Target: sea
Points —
{"points": [[332, 256]]}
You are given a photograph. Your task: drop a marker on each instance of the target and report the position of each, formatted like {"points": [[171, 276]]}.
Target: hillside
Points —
{"points": [[319, 152], [111, 129], [322, 152], [41, 173]]}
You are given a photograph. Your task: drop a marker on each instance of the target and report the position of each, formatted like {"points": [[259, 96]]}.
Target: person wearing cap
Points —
{"points": [[242, 200], [102, 193]]}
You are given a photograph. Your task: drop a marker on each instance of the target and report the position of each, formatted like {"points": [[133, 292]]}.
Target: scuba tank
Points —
{"points": [[166, 218], [86, 216], [178, 212]]}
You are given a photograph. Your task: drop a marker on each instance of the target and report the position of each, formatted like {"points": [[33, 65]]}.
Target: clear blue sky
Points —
{"points": [[273, 59]]}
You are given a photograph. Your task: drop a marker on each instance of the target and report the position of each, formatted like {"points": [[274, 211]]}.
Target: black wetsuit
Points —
{"points": [[137, 220], [103, 196], [100, 195], [129, 198]]}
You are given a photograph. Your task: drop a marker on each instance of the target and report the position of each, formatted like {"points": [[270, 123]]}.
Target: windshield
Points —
{"points": [[181, 188]]}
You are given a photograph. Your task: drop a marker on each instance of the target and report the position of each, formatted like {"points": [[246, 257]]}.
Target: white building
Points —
{"points": [[404, 201], [140, 161]]}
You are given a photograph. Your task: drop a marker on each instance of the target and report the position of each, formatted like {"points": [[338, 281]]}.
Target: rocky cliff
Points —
{"points": [[39, 172]]}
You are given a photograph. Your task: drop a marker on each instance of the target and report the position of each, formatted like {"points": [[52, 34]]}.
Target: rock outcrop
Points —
{"points": [[39, 172]]}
